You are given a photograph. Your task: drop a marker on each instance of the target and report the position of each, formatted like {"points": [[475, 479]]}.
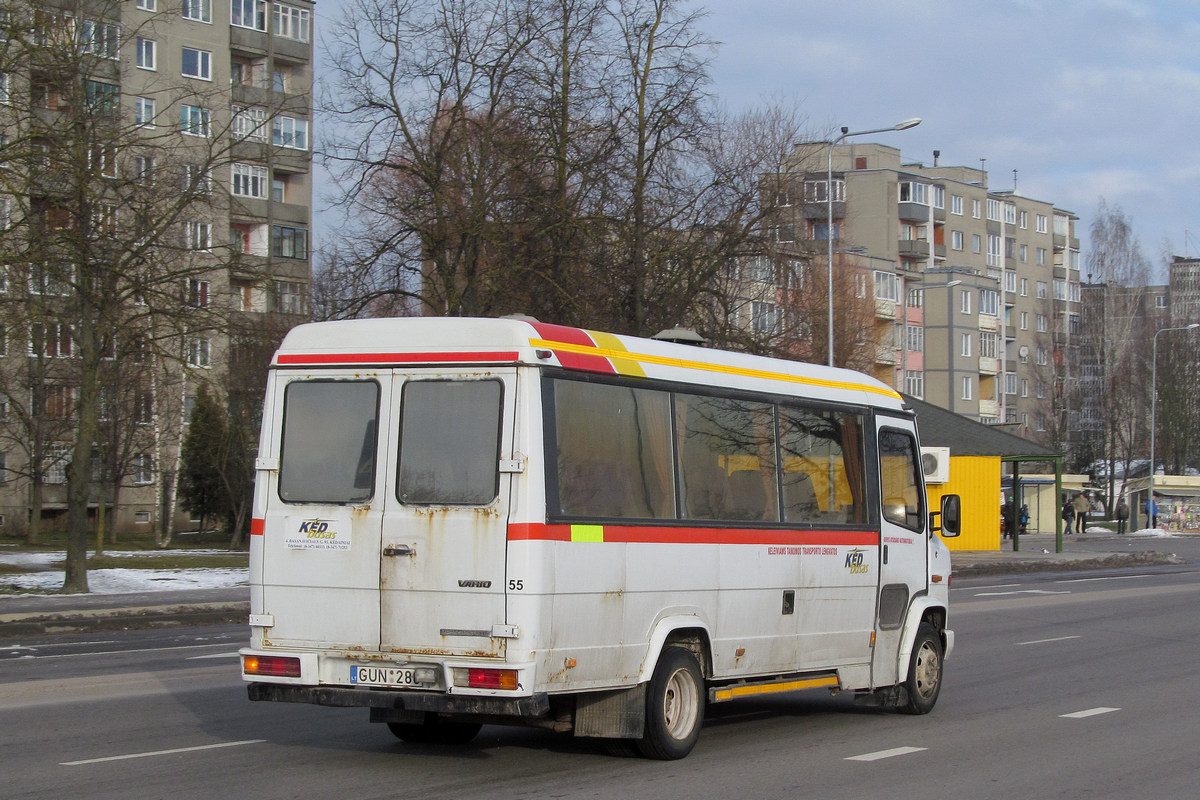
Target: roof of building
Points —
{"points": [[966, 437]]}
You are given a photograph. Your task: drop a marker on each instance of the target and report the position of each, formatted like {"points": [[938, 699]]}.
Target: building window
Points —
{"points": [[195, 121], [764, 318], [1040, 320], [820, 231], [976, 243], [142, 469], [287, 242], [939, 196], [1010, 214], [993, 250], [1040, 221], [1024, 220], [53, 340], [964, 301], [1041, 290], [989, 345], [144, 111], [250, 124], [100, 38], [289, 297], [956, 240], [965, 346], [989, 302], [250, 180], [967, 388], [291, 22], [1024, 320], [1041, 356], [956, 204], [290, 132], [976, 209], [887, 287], [199, 10], [915, 338], [1010, 281], [249, 14], [1160, 301], [147, 53], [1024, 387], [198, 352], [912, 192], [103, 99], [54, 463], [147, 5], [196, 180], [197, 293], [1010, 383], [198, 235], [279, 191], [993, 209], [196, 64], [914, 383]]}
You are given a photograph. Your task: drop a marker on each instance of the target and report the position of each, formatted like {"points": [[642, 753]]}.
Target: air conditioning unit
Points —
{"points": [[935, 463]]}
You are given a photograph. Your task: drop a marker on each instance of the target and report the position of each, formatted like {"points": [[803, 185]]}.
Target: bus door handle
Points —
{"points": [[399, 550], [885, 553]]}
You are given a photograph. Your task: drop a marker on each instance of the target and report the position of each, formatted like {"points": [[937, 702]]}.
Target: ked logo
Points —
{"points": [[465, 584]]}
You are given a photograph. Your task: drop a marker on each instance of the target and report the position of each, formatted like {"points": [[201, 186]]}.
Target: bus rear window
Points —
{"points": [[328, 447], [450, 442]]}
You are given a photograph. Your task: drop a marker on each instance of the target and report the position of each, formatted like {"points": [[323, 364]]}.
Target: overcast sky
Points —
{"points": [[1084, 98]]}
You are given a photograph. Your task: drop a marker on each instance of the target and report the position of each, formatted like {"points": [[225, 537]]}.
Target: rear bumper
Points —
{"points": [[537, 705]]}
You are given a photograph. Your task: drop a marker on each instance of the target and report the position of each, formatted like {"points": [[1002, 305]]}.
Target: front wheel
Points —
{"points": [[924, 672], [674, 706]]}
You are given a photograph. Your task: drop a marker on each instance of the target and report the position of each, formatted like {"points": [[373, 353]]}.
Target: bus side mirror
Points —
{"points": [[951, 517]]}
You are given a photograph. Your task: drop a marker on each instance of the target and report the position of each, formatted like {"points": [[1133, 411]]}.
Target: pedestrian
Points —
{"points": [[1005, 524], [1068, 515], [1024, 518], [1082, 507], [1152, 511], [1122, 515]]}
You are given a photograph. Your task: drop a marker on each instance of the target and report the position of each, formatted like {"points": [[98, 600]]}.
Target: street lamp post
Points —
{"points": [[846, 134], [1153, 406]]}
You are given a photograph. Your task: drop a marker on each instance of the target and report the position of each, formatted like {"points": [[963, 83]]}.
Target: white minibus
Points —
{"points": [[469, 521]]}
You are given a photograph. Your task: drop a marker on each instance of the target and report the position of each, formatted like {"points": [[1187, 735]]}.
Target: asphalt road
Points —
{"points": [[1067, 686]]}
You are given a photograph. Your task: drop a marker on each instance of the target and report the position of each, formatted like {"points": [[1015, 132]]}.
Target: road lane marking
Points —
{"points": [[1047, 641], [881, 754], [1103, 578], [1021, 591], [160, 752], [1091, 712], [214, 655], [126, 652], [977, 588]]}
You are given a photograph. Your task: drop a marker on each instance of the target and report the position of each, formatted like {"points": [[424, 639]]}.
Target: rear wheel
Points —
{"points": [[435, 730], [924, 672], [674, 706]]}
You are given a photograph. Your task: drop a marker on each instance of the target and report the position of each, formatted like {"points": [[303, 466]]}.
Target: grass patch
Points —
{"points": [[9, 569]]}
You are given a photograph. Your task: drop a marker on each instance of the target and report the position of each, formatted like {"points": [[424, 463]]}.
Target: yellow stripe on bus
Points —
{"points": [[770, 688], [701, 365], [624, 365], [587, 533]]}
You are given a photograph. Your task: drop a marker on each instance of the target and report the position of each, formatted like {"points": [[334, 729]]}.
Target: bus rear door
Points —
{"points": [[445, 518]]}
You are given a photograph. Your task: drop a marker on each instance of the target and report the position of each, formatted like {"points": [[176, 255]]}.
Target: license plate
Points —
{"points": [[383, 676]]}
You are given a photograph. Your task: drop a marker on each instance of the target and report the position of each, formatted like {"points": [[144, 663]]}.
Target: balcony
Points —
{"points": [[989, 408], [913, 212], [886, 355], [988, 322], [913, 249], [885, 309], [989, 365]]}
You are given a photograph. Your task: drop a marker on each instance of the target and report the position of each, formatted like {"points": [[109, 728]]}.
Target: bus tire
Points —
{"points": [[924, 681], [434, 730], [674, 706]]}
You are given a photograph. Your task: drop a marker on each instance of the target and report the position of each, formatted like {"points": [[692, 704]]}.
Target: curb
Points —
{"points": [[1017, 565], [116, 619]]}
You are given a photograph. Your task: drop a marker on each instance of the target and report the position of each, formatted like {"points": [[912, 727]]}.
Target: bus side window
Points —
{"points": [[823, 476], [899, 465]]}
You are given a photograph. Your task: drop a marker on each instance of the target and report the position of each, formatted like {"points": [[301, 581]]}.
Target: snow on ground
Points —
{"points": [[43, 577]]}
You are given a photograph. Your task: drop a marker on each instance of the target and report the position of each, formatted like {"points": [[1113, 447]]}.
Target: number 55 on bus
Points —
{"points": [[469, 521]]}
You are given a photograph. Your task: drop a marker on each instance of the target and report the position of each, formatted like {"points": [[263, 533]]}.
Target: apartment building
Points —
{"points": [[976, 289], [206, 99]]}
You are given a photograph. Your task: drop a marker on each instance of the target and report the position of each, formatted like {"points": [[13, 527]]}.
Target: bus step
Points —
{"points": [[733, 691]]}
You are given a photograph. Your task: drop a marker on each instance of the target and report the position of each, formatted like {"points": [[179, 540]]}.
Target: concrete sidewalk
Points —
{"points": [[40, 614]]}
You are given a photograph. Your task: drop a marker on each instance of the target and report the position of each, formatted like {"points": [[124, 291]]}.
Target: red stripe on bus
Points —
{"points": [[257, 525], [395, 358], [672, 535], [581, 361]]}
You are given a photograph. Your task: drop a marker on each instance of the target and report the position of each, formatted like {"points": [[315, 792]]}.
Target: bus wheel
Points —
{"points": [[435, 730], [924, 672], [674, 706]]}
